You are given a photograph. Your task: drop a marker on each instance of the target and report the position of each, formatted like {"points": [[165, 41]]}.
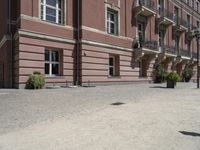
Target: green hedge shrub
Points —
{"points": [[35, 81], [172, 76], [187, 74], [159, 74]]}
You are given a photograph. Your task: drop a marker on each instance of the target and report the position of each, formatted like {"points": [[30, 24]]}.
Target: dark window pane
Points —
{"points": [[46, 68], [60, 17], [46, 55], [111, 71], [55, 69], [50, 14], [50, 18], [111, 61], [59, 3], [51, 2], [54, 56]]}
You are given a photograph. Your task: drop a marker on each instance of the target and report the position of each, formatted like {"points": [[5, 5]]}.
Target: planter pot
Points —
{"points": [[187, 79], [171, 84]]}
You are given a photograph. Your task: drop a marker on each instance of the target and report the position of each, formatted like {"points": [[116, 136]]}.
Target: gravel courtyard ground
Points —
{"points": [[151, 118]]}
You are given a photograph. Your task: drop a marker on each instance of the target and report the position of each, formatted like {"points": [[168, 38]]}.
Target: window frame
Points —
{"points": [[43, 5], [50, 62], [115, 21], [112, 66]]}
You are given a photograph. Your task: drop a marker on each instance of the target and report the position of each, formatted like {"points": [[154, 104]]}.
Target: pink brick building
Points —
{"points": [[95, 41]]}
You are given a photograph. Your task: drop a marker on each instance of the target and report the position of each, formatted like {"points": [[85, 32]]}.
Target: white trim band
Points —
{"points": [[43, 36], [105, 45]]}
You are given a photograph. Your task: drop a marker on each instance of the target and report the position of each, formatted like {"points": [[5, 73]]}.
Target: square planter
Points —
{"points": [[171, 84]]}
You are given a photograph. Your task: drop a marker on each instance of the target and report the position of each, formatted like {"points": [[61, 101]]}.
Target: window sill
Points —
{"points": [[114, 77], [53, 77], [53, 23], [112, 34]]}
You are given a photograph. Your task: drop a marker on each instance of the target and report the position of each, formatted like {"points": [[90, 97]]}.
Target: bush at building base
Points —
{"points": [[159, 74], [35, 81], [187, 74]]}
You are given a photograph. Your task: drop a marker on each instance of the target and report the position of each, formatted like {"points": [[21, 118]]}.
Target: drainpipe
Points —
{"points": [[10, 34], [78, 45]]}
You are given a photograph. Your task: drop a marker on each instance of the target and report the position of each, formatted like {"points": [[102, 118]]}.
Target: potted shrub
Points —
{"points": [[35, 81], [187, 74], [172, 78], [159, 74]]}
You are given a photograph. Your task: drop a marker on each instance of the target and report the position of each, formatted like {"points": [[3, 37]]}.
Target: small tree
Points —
{"points": [[187, 73], [35, 81], [159, 74]]}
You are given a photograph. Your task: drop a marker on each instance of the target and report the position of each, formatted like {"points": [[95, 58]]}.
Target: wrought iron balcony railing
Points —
{"points": [[166, 13], [192, 27], [194, 55], [148, 4], [180, 21], [150, 44], [184, 52], [169, 49]]}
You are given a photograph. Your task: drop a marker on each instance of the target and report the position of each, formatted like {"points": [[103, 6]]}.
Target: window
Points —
{"points": [[176, 15], [161, 7], [188, 21], [197, 7], [197, 24], [192, 3], [52, 62], [113, 65], [52, 10], [161, 38], [112, 22], [141, 33]]}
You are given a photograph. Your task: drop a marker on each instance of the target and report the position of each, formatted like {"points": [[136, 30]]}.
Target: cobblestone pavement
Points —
{"points": [[151, 117]]}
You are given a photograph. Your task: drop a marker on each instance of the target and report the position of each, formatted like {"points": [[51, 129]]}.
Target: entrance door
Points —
{"points": [[1, 75], [143, 68]]}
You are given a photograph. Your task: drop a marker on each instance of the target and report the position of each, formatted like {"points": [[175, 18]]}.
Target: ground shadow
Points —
{"points": [[190, 133], [159, 87]]}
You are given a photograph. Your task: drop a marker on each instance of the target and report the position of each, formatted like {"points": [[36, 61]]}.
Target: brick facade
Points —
{"points": [[145, 33]]}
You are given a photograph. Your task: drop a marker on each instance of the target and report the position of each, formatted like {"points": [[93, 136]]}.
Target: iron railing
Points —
{"points": [[194, 55], [166, 13], [180, 21], [150, 44], [147, 3], [169, 49], [184, 52]]}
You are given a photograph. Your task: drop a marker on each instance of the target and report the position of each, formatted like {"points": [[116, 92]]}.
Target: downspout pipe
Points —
{"points": [[78, 45], [11, 47]]}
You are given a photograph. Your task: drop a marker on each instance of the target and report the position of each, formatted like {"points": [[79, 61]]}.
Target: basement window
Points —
{"points": [[113, 65], [52, 64]]}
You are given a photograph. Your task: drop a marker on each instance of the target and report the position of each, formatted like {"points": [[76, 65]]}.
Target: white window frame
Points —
{"points": [[112, 66], [115, 21], [43, 14], [50, 62]]}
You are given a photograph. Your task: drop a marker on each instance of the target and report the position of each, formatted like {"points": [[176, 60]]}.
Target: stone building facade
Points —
{"points": [[95, 41]]}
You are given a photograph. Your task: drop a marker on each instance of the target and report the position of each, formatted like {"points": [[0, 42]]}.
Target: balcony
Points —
{"points": [[146, 47], [190, 32], [169, 50], [185, 54], [165, 17], [180, 25], [145, 8], [194, 56]]}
